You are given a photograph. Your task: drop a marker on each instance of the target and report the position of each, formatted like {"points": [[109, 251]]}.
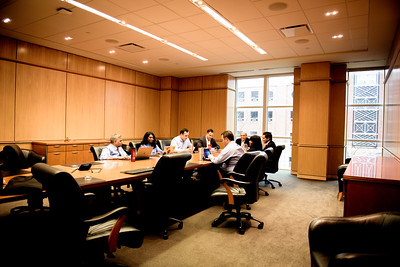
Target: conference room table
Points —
{"points": [[109, 173]]}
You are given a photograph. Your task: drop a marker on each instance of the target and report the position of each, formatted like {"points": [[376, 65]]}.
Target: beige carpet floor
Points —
{"points": [[286, 214]]}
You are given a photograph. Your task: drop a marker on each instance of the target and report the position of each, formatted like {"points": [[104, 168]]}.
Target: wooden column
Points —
{"points": [[169, 104], [321, 110]]}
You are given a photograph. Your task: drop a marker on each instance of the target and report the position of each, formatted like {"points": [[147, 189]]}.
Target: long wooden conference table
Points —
{"points": [[109, 172]]}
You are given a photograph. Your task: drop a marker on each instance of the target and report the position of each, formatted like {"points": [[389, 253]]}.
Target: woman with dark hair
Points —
{"points": [[255, 143], [149, 139]]}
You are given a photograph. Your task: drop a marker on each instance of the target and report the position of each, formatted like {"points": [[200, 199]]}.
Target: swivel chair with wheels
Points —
{"points": [[245, 193], [73, 228], [273, 166], [164, 190]]}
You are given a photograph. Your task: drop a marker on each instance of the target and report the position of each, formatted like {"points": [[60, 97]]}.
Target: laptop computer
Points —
{"points": [[144, 152], [169, 149]]}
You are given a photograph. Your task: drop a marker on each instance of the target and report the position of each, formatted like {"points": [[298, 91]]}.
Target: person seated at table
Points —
{"points": [[182, 142], [207, 140], [114, 150], [231, 153], [149, 139], [267, 140], [255, 143], [243, 141]]}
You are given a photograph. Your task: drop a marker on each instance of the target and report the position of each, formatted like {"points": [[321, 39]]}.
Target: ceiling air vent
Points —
{"points": [[297, 30], [131, 47]]}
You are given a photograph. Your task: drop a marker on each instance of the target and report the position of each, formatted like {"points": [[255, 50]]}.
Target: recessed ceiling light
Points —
{"points": [[6, 20], [278, 6], [301, 41], [112, 41], [111, 51], [331, 13], [145, 61], [68, 38], [337, 36]]}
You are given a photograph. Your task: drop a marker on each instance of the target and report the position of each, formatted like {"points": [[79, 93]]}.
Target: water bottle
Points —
{"points": [[133, 155]]}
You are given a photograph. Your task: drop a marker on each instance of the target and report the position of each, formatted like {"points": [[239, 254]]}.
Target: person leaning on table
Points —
{"points": [[114, 150], [182, 142]]}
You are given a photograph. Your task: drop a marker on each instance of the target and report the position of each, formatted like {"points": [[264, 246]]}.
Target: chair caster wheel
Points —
{"points": [[180, 225], [248, 207], [261, 226], [241, 231], [165, 235], [214, 224], [266, 193]]}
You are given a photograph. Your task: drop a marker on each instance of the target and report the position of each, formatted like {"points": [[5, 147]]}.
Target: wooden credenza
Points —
{"points": [[371, 184], [61, 152]]}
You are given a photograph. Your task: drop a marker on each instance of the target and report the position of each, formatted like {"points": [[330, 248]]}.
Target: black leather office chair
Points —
{"points": [[75, 229], [273, 165], [365, 240], [165, 142], [96, 151], [135, 145], [245, 193], [15, 160], [163, 191], [341, 170]]}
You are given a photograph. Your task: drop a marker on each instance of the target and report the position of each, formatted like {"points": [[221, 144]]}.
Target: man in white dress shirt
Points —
{"points": [[182, 142], [114, 150], [231, 153]]}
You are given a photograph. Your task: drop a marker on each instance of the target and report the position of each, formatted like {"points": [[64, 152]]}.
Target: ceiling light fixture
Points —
{"points": [[111, 51], [6, 20], [68, 38], [337, 36], [331, 13], [123, 23], [145, 61], [215, 15]]}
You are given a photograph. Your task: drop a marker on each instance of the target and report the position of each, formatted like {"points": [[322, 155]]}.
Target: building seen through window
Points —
{"points": [[254, 114], [364, 113]]}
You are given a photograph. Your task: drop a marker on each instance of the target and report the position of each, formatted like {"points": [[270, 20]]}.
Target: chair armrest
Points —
{"points": [[233, 181], [236, 175], [104, 217]]}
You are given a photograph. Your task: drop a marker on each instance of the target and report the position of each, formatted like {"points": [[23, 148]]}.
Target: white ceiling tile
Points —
{"points": [[203, 21], [235, 10], [264, 36], [307, 4], [134, 5], [218, 32], [358, 8], [338, 46], [358, 22], [199, 35], [254, 25], [183, 8], [331, 26], [157, 14], [288, 19], [179, 26]]}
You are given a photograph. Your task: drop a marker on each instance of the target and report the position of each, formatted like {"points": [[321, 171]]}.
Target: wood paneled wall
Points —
{"points": [[206, 102], [46, 94], [319, 120]]}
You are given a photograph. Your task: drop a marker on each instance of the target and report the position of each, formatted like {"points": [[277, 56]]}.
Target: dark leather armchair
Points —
{"points": [[96, 151], [365, 240], [245, 193], [273, 165], [162, 192], [341, 170], [75, 229], [15, 160]]}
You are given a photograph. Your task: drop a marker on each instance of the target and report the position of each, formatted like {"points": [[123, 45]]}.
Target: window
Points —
{"points": [[270, 116], [241, 96], [254, 96], [364, 113], [254, 115], [273, 114], [240, 116]]}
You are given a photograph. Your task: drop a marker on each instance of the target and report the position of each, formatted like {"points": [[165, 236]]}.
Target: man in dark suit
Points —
{"points": [[204, 141], [267, 141], [243, 140]]}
